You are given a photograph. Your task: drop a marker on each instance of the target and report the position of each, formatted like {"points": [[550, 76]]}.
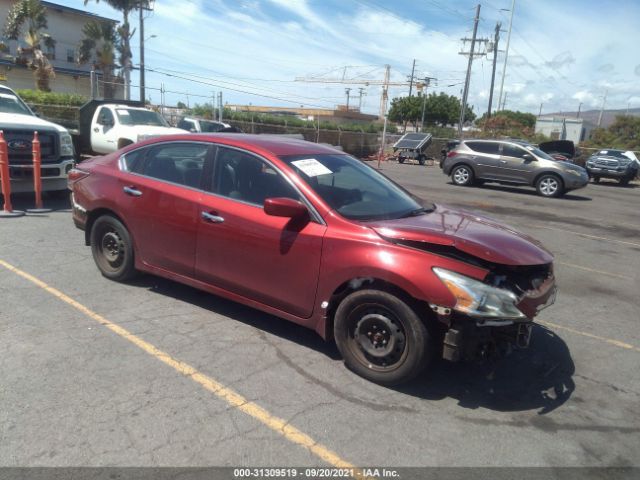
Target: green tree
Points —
{"points": [[624, 133], [98, 46], [125, 33], [523, 118], [440, 109], [33, 15]]}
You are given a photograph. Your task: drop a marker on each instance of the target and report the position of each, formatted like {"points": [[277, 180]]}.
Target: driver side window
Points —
{"points": [[244, 177], [513, 151], [105, 117]]}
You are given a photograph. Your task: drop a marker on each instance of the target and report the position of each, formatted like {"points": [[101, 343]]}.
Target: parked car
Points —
{"points": [[201, 125], [18, 122], [509, 162], [450, 145], [563, 150], [617, 164], [105, 126], [310, 234]]}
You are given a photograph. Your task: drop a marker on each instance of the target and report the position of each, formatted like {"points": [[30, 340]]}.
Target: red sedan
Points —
{"points": [[317, 237]]}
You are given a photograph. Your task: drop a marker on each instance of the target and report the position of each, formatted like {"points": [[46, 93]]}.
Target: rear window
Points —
{"points": [[484, 147]]}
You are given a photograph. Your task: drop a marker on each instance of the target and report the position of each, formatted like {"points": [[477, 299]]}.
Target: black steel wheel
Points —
{"points": [[112, 248], [401, 159], [422, 159], [462, 175], [381, 338]]}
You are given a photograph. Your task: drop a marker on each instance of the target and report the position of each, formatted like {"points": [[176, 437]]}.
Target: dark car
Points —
{"points": [[450, 145], [616, 164], [310, 234], [510, 162]]}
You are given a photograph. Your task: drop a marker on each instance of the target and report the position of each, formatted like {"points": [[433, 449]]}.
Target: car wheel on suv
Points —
{"points": [[381, 337], [462, 175], [549, 185]]}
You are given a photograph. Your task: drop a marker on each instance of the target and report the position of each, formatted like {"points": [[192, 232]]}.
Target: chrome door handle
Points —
{"points": [[209, 217], [132, 191]]}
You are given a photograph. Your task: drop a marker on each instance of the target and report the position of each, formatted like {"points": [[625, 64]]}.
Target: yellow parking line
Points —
{"points": [[230, 396], [573, 265], [596, 237], [610, 341]]}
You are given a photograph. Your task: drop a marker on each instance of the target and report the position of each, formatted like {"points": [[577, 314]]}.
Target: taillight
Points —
{"points": [[75, 174], [452, 153]]}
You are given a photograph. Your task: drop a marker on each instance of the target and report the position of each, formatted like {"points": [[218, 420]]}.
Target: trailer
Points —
{"points": [[414, 146]]}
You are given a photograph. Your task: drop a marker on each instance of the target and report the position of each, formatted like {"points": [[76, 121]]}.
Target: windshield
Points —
{"points": [[355, 190], [538, 153], [131, 116], [614, 153], [12, 104]]}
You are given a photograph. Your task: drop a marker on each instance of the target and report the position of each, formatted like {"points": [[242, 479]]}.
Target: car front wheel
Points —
{"points": [[381, 338], [549, 186], [462, 175], [112, 248]]}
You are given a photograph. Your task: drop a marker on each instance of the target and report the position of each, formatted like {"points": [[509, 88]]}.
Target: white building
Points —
{"points": [[65, 27], [563, 128]]}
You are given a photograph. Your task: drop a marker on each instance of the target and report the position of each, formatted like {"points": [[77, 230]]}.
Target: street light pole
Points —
{"points": [[506, 53]]}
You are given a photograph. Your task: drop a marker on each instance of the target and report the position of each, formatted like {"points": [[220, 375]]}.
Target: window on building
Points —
{"points": [[71, 55]]}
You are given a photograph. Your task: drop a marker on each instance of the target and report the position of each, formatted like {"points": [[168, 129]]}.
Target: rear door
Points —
{"points": [[160, 197], [514, 167], [486, 159], [272, 260]]}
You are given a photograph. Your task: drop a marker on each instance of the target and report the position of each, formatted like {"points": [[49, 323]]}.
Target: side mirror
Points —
{"points": [[528, 156], [285, 207]]}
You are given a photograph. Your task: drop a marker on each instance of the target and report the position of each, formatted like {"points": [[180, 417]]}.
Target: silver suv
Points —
{"points": [[511, 162]]}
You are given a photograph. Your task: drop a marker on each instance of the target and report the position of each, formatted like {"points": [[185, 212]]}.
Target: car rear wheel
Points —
{"points": [[462, 175], [401, 159], [596, 179], [549, 186], [381, 338], [112, 248]]}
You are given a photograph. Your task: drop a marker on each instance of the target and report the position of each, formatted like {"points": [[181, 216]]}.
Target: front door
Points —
{"points": [[103, 136], [160, 199], [516, 164], [272, 260]]}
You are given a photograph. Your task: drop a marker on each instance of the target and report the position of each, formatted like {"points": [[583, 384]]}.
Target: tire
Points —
{"points": [[401, 159], [112, 249], [381, 338], [624, 181], [549, 186], [462, 175], [596, 179], [422, 160]]}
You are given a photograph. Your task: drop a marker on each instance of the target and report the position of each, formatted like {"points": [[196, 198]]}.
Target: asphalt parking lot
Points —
{"points": [[153, 373]]}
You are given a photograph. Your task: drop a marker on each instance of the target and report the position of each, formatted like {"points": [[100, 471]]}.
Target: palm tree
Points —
{"points": [[98, 45], [125, 33], [34, 15]]}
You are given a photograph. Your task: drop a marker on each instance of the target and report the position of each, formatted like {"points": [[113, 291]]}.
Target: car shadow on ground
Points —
{"points": [[55, 201], [537, 378], [613, 183], [528, 191]]}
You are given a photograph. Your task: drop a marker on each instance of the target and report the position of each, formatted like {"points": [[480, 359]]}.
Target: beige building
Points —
{"points": [[65, 27]]}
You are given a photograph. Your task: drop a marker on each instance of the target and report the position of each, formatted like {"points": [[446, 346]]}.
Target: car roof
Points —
{"points": [[274, 144]]}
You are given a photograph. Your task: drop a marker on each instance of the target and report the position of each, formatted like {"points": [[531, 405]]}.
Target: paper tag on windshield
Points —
{"points": [[123, 112], [311, 167]]}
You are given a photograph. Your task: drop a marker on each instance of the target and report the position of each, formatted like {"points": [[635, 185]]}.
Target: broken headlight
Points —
{"points": [[478, 299]]}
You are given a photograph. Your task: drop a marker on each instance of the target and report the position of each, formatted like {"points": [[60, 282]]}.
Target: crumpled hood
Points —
{"points": [[15, 120], [475, 235]]}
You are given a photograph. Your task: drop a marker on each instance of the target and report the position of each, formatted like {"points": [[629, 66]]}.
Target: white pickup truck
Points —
{"points": [[106, 126], [18, 123]]}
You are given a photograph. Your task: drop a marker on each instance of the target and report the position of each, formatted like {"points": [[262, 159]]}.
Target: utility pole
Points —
{"points": [[604, 100], [540, 111], [427, 82], [361, 90], [504, 100], [214, 97], [465, 93], [347, 90], [141, 33], [413, 69], [579, 108], [506, 53], [496, 39], [385, 93], [221, 107]]}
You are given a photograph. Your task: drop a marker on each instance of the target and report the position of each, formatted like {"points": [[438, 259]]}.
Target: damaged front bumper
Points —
{"points": [[471, 338]]}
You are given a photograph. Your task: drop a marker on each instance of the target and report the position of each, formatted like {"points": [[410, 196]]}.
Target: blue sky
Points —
{"points": [[561, 53]]}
